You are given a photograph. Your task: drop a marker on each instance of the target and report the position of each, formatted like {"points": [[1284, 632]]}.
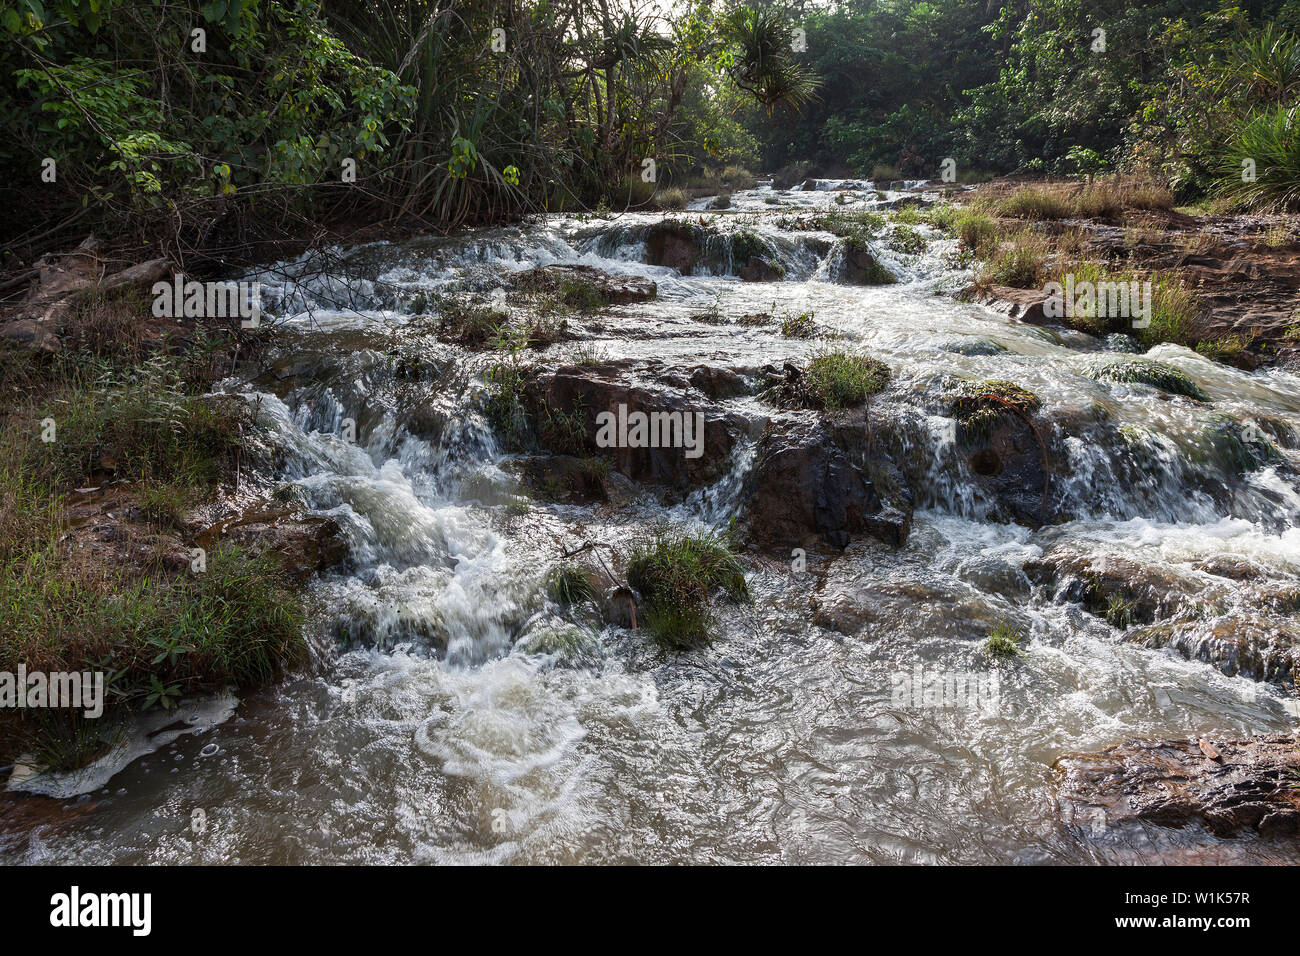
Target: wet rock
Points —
{"points": [[565, 477], [794, 173], [719, 382], [1256, 646], [811, 484], [1174, 783], [586, 286], [622, 607], [856, 265], [1232, 567], [677, 245], [761, 269], [664, 396], [1006, 457], [303, 544], [902, 602], [1122, 590], [1027, 305]]}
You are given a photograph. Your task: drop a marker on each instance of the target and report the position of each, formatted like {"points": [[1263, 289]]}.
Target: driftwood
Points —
{"points": [[61, 281]]}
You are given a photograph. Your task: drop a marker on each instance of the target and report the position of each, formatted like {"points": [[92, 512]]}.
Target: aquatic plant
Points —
{"points": [[978, 404], [1004, 641], [570, 584], [1140, 371]]}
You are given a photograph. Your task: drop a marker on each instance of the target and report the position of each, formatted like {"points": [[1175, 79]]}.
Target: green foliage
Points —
{"points": [[1004, 641], [1270, 139], [570, 584], [837, 379], [677, 572], [801, 326], [1147, 372], [236, 623]]}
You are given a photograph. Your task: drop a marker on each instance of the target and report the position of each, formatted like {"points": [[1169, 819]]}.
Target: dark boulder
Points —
{"points": [[809, 487], [677, 245], [855, 264], [627, 391]]}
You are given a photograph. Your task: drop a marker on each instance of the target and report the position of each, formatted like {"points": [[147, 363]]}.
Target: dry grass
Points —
{"points": [[1106, 198]]}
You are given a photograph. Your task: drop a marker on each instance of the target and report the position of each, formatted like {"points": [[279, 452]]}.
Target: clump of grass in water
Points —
{"points": [[1004, 641], [907, 240], [1119, 613], [507, 380], [676, 572], [801, 326], [837, 379], [570, 584], [1141, 371]]}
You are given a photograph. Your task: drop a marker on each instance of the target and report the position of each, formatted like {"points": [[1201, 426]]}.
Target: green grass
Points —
{"points": [[1035, 202], [907, 240], [1139, 371], [976, 230], [1175, 313], [132, 413], [236, 623], [801, 326], [1119, 613], [570, 584], [469, 325], [1019, 263], [677, 573], [837, 379], [1004, 641]]}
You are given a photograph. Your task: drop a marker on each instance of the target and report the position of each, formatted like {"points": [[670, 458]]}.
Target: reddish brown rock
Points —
{"points": [[1250, 786]]}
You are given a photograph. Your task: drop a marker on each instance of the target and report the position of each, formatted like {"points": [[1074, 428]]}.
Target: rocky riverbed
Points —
{"points": [[429, 447]]}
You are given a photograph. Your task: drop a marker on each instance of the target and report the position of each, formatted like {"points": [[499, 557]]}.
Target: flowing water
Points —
{"points": [[455, 715]]}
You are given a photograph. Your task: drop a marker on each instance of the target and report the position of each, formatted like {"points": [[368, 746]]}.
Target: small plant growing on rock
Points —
{"points": [[1019, 264], [837, 379], [978, 404], [907, 240], [799, 326], [1119, 612], [1004, 641]]}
